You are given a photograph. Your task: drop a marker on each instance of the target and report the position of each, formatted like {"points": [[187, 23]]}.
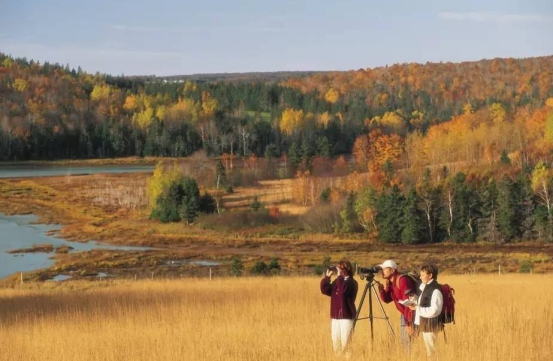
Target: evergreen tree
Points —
{"points": [[236, 266], [323, 148], [190, 205], [504, 159], [488, 225], [506, 208], [390, 213], [412, 220]]}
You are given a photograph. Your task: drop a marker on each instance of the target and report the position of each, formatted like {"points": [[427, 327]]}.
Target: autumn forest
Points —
{"points": [[410, 153]]}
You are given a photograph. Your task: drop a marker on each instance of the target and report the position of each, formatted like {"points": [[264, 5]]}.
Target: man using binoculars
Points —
{"points": [[342, 292]]}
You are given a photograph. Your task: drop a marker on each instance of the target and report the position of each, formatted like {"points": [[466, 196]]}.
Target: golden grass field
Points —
{"points": [[507, 317]]}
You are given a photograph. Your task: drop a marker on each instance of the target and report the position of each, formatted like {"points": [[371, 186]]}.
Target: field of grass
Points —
{"points": [[278, 318]]}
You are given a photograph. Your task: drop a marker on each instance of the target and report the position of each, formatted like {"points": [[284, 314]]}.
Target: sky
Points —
{"points": [[173, 37]]}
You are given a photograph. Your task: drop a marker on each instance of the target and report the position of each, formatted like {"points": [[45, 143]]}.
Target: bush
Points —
{"points": [[207, 204], [236, 267], [526, 266], [260, 268], [179, 201], [320, 269], [322, 218], [256, 204]]}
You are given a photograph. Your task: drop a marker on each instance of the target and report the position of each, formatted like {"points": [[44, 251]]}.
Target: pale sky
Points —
{"points": [[171, 37]]}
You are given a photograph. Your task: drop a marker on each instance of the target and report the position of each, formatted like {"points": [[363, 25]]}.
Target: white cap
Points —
{"points": [[389, 264]]}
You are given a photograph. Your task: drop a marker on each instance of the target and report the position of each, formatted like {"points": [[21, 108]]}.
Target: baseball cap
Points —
{"points": [[389, 264]]}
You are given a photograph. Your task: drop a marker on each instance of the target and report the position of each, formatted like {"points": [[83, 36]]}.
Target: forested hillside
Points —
{"points": [[51, 112], [438, 151]]}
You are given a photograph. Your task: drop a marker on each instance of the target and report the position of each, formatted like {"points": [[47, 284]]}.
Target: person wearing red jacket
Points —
{"points": [[342, 292], [398, 288]]}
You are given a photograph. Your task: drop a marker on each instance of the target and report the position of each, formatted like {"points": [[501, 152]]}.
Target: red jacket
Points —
{"points": [[342, 296], [395, 291]]}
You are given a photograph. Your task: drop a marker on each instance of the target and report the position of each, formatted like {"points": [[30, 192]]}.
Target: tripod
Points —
{"points": [[371, 285]]}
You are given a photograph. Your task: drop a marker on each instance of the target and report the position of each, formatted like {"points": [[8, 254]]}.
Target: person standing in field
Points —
{"points": [[342, 292], [429, 307], [397, 288]]}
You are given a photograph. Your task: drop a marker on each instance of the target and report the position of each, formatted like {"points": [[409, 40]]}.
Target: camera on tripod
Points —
{"points": [[368, 272]]}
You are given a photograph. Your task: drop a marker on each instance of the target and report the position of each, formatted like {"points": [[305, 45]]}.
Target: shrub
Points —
{"points": [[274, 266], [256, 204], [207, 204], [320, 269], [236, 267], [260, 268], [526, 266], [322, 218], [179, 201]]}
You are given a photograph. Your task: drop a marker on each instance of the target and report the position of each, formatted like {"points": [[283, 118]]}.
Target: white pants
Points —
{"points": [[341, 333], [430, 342]]}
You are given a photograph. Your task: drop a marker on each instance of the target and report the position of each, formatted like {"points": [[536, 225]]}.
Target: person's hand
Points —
{"points": [[409, 330], [328, 272], [380, 286], [413, 308]]}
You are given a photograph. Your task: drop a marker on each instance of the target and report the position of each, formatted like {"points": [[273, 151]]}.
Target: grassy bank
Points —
{"points": [[497, 318]]}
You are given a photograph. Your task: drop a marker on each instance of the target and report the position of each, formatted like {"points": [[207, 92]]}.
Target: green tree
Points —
{"points": [[236, 266], [412, 221], [274, 266], [390, 207], [323, 147], [506, 208], [190, 202], [256, 204]]}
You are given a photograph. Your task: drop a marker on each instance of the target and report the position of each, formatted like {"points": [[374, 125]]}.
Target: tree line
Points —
{"points": [[50, 111]]}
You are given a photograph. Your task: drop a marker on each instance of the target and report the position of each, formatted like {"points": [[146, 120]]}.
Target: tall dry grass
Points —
{"points": [[498, 318]]}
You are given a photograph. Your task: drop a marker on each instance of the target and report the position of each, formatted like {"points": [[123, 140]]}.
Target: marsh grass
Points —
{"points": [[498, 318]]}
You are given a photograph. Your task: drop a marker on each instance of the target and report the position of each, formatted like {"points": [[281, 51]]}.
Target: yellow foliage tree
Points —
{"points": [[160, 181], [144, 118], [209, 104], [497, 113], [100, 92], [332, 95], [393, 122], [20, 84], [324, 119], [542, 184], [130, 103], [291, 120]]}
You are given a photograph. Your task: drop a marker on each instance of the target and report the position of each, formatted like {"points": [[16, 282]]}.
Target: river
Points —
{"points": [[27, 170], [18, 232]]}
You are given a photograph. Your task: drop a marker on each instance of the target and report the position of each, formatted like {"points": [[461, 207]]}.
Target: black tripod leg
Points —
{"points": [[383, 312], [367, 285]]}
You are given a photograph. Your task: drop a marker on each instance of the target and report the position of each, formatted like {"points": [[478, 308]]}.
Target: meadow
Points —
{"points": [[505, 317]]}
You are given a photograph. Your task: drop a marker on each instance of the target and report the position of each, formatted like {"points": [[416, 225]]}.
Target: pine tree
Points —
{"points": [[412, 221], [390, 213], [506, 208], [190, 204]]}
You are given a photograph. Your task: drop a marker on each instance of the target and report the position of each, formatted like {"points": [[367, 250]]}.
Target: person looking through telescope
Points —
{"points": [[398, 288]]}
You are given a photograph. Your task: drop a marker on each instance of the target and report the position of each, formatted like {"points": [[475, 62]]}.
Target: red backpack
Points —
{"points": [[448, 310]]}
